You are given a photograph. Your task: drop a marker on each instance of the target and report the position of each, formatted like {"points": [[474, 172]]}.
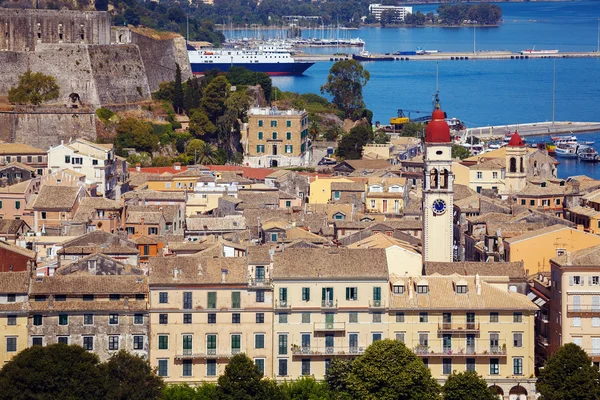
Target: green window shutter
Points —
{"points": [[291, 148], [355, 294], [377, 293], [260, 122], [289, 124], [260, 135], [212, 299], [347, 293], [282, 294], [274, 135], [235, 342], [258, 148], [211, 342], [187, 342], [235, 300], [289, 136], [17, 205], [0, 203], [323, 294]]}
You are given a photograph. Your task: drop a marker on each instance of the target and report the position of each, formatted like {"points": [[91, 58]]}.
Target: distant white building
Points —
{"points": [[377, 9]]}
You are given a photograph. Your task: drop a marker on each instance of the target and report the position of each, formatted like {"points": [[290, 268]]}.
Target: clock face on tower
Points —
{"points": [[439, 206]]}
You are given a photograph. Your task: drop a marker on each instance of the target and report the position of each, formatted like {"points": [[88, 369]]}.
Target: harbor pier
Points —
{"points": [[534, 129]]}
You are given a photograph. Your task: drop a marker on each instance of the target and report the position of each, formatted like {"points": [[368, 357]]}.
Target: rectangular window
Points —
{"points": [[423, 317], [187, 318], [517, 366], [353, 317], [532, 202], [212, 318], [493, 317], [352, 293], [211, 367], [479, 175], [11, 344], [273, 124], [306, 366], [37, 341], [283, 344], [88, 343], [470, 364], [377, 317], [260, 122], [163, 319], [376, 336], [17, 205], [260, 364], [163, 342], [283, 367], [260, 135], [336, 195], [399, 317], [305, 294], [163, 367], [260, 318], [114, 297], [260, 296], [235, 318], [283, 318], [494, 366], [235, 300], [88, 319], [259, 340], [517, 339], [211, 344], [11, 320], [138, 342], [113, 342], [377, 296], [288, 124], [163, 297], [494, 175], [446, 366], [400, 336], [40, 298], [186, 368], [274, 135], [288, 135], [353, 343], [67, 159], [152, 231], [187, 300], [517, 317], [236, 343], [63, 319], [577, 321], [37, 320], [212, 300], [138, 319], [283, 296]]}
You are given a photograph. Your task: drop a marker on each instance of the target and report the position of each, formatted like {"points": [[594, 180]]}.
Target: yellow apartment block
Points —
{"points": [[202, 312], [547, 243], [320, 189], [14, 287]]}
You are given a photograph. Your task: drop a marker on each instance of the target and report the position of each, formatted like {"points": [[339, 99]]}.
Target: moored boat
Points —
{"points": [[566, 151], [588, 154], [366, 56]]}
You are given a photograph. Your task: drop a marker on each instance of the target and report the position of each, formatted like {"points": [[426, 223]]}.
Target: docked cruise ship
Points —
{"points": [[273, 62]]}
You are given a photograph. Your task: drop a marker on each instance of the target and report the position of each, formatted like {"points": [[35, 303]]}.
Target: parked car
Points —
{"points": [[327, 161]]}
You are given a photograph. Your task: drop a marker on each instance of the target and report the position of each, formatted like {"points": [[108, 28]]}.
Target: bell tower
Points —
{"points": [[438, 207], [516, 164]]}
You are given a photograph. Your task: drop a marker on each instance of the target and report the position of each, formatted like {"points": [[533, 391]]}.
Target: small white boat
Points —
{"points": [[566, 151]]}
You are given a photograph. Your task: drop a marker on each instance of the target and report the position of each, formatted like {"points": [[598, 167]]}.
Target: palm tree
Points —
{"points": [[206, 154]]}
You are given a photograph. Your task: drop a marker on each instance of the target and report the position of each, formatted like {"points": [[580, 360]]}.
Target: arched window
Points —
{"points": [[513, 164], [522, 167], [444, 182], [433, 178]]}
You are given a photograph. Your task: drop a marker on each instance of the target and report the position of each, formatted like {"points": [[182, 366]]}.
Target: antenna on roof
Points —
{"points": [[436, 104]]}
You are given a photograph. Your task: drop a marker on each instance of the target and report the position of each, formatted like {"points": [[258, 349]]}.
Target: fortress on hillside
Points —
{"points": [[114, 67]]}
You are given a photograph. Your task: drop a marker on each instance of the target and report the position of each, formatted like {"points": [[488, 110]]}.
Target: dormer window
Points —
{"points": [[398, 289], [423, 287], [376, 188], [460, 289], [395, 189]]}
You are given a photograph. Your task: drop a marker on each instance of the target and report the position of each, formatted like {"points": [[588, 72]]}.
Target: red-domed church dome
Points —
{"points": [[437, 130], [516, 141]]}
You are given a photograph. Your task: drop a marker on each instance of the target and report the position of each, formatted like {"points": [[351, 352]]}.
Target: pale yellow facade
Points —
{"points": [[320, 189], [461, 173], [14, 337], [486, 178], [536, 248]]}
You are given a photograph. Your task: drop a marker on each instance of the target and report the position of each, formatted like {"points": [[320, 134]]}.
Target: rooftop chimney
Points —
{"points": [[477, 285], [138, 167], [176, 273], [569, 258], [224, 273], [410, 288], [177, 166]]}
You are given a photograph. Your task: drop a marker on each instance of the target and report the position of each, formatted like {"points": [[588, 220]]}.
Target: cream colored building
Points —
{"points": [[575, 301], [386, 195], [402, 258], [14, 287], [489, 174], [205, 310], [276, 138]]}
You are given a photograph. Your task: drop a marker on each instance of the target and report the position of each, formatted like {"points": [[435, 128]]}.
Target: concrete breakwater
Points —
{"points": [[534, 129]]}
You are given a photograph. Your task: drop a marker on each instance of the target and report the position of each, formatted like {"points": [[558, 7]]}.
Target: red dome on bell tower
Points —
{"points": [[516, 141], [437, 130]]}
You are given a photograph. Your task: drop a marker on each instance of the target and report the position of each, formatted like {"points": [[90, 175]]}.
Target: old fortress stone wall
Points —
{"points": [[77, 49]]}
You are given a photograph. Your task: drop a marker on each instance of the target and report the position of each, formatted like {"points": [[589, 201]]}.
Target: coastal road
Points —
{"points": [[534, 129]]}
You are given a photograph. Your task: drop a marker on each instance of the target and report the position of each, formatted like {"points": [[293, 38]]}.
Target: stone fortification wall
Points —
{"points": [[24, 30], [98, 74], [160, 53], [46, 126]]}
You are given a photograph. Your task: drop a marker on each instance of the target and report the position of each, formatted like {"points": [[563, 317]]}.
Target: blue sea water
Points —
{"points": [[484, 92]]}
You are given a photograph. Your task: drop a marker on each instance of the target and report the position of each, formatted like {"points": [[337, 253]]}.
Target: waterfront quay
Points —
{"points": [[484, 55], [534, 129]]}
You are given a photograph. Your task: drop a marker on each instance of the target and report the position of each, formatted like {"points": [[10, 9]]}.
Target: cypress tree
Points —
{"points": [[178, 105]]}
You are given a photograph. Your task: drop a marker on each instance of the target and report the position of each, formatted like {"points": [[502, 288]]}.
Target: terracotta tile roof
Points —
{"points": [[14, 282], [512, 229], [513, 270], [536, 233], [19, 148], [490, 217], [276, 224], [189, 246], [442, 296], [89, 284], [364, 164], [489, 164], [348, 186], [251, 173], [589, 257], [344, 224], [18, 165], [145, 240], [99, 242], [253, 215], [228, 223], [11, 226], [233, 200], [330, 263], [17, 249], [586, 211], [296, 233], [136, 217], [258, 255], [56, 197], [197, 270], [20, 187], [74, 305], [593, 196], [382, 241], [89, 205], [278, 174], [170, 211], [551, 189], [154, 195], [159, 170], [258, 199]]}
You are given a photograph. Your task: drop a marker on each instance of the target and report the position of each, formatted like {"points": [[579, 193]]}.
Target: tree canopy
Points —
{"points": [[33, 88], [460, 152], [129, 377], [135, 134], [344, 83], [352, 143], [467, 385], [569, 375]]}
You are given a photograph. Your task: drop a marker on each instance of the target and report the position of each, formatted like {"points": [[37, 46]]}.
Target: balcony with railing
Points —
{"points": [[480, 349], [329, 304], [327, 351], [458, 326], [188, 354], [259, 283], [376, 304], [578, 310], [329, 326], [282, 305]]}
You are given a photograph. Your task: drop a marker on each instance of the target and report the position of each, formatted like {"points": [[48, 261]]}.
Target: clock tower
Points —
{"points": [[438, 208]]}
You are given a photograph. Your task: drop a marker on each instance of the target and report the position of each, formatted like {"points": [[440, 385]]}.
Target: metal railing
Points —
{"points": [[581, 308], [329, 326], [455, 351], [376, 304], [458, 326], [308, 351], [259, 282], [329, 304], [282, 304]]}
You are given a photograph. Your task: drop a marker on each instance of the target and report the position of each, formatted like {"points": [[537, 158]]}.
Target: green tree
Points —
{"points": [[351, 145], [337, 376], [206, 391], [137, 134], [130, 377], [202, 152], [178, 100], [53, 372], [213, 100], [389, 370], [33, 88], [200, 125], [569, 375], [192, 95], [165, 91], [344, 83], [460, 152], [306, 388], [467, 386], [413, 129], [382, 137], [241, 380]]}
